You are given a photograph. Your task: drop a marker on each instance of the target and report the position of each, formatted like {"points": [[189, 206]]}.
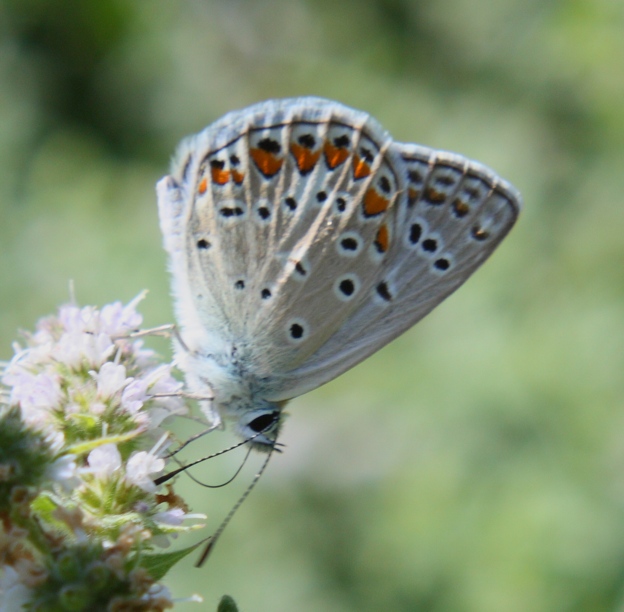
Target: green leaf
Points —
{"points": [[227, 604], [158, 565]]}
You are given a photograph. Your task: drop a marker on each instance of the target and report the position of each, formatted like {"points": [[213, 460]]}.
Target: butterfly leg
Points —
{"points": [[165, 331]]}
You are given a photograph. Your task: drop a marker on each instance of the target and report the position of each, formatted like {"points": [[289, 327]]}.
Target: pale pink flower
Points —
{"points": [[104, 460], [140, 466]]}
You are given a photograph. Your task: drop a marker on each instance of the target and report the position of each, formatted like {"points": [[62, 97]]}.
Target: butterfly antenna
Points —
{"points": [[192, 439], [165, 477], [232, 512], [227, 482], [169, 475]]}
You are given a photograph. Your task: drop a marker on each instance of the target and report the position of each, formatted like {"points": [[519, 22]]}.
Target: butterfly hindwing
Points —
{"points": [[451, 216]]}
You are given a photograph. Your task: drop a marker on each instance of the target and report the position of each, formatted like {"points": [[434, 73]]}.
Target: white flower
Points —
{"points": [[175, 516], [134, 396], [33, 390], [36, 395], [79, 320], [119, 320], [76, 348], [161, 382], [110, 379], [104, 460], [47, 330], [140, 466], [83, 379]]}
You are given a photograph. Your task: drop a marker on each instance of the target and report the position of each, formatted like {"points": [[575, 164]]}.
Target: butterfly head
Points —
{"points": [[261, 425]]}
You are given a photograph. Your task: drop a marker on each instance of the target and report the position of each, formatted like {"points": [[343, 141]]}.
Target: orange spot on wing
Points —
{"points": [[219, 176], [382, 240], [434, 196], [360, 168], [412, 195], [267, 163], [335, 155], [237, 176], [203, 185], [374, 204], [306, 159], [460, 208]]}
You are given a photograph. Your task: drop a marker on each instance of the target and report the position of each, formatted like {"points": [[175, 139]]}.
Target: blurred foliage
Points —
{"points": [[477, 464]]}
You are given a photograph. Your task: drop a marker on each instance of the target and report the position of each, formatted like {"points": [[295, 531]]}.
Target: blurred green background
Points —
{"points": [[477, 463]]}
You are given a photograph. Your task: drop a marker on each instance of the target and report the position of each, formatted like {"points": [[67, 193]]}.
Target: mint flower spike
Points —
{"points": [[82, 411], [81, 373]]}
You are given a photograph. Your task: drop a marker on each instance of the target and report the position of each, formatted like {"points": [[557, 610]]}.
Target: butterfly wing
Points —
{"points": [[301, 235], [259, 217], [448, 218]]}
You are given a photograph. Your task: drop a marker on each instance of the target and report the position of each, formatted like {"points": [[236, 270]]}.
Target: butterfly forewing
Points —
{"points": [[284, 225], [322, 263]]}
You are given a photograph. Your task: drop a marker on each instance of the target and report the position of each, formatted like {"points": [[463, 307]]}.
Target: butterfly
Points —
{"points": [[302, 238]]}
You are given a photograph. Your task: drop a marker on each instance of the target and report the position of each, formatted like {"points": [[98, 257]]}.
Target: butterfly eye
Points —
{"points": [[264, 421]]}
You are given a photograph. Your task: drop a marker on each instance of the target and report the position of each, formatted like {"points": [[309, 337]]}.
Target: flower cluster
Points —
{"points": [[80, 443]]}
